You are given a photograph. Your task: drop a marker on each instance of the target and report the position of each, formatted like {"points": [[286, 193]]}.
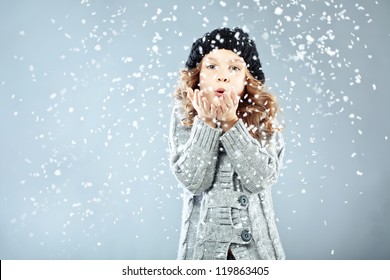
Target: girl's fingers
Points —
{"points": [[195, 102], [203, 99], [223, 104], [213, 110], [219, 112], [233, 93], [234, 97], [194, 97], [228, 100], [208, 107], [199, 97], [205, 104], [216, 101]]}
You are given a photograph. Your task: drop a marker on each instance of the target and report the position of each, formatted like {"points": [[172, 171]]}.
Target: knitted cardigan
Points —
{"points": [[227, 179]]}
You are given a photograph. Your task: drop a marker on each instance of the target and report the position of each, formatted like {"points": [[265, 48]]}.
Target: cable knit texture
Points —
{"points": [[227, 179]]}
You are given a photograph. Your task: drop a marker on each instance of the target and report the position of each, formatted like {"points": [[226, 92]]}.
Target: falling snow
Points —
{"points": [[86, 96]]}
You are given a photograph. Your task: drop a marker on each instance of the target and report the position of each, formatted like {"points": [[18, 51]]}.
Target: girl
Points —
{"points": [[226, 151]]}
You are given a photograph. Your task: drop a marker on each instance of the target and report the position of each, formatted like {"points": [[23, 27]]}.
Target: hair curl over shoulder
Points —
{"points": [[257, 108]]}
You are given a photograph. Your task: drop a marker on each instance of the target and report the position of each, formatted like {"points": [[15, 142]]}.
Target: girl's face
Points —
{"points": [[222, 71]]}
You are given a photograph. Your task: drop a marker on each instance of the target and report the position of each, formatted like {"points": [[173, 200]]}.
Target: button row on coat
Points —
{"points": [[245, 234]]}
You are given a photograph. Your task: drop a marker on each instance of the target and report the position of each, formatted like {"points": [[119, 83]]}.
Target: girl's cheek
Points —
{"points": [[202, 87], [202, 75], [208, 91], [202, 83]]}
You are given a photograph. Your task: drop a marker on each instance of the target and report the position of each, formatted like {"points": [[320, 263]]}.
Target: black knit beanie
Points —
{"points": [[235, 40]]}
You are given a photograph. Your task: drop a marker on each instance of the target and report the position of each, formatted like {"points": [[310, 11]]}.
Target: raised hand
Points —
{"points": [[206, 111], [227, 107]]}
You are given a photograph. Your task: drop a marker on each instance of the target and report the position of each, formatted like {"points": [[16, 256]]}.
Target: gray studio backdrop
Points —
{"points": [[85, 102]]}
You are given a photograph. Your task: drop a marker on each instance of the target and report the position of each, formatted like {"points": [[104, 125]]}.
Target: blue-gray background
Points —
{"points": [[85, 101]]}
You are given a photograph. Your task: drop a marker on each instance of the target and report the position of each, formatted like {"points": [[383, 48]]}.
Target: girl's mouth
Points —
{"points": [[219, 92]]}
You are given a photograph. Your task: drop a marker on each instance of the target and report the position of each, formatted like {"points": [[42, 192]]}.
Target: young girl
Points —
{"points": [[226, 151]]}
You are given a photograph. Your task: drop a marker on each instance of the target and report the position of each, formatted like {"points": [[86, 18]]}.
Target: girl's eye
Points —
{"points": [[235, 68], [210, 66]]}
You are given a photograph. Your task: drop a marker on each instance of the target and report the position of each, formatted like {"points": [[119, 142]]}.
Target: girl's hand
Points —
{"points": [[206, 111], [227, 107]]}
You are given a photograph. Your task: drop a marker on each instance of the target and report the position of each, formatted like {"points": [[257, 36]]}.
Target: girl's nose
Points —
{"points": [[223, 78]]}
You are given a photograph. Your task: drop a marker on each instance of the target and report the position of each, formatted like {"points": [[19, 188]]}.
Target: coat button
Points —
{"points": [[243, 200], [246, 235]]}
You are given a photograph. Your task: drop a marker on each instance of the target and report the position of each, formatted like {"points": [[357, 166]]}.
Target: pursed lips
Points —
{"points": [[219, 92]]}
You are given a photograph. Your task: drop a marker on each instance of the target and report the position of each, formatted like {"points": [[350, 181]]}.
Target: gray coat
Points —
{"points": [[227, 179]]}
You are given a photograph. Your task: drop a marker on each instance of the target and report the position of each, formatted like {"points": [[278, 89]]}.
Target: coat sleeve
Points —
{"points": [[257, 164], [193, 153]]}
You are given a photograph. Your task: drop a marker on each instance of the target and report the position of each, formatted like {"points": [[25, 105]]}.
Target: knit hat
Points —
{"points": [[235, 40]]}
